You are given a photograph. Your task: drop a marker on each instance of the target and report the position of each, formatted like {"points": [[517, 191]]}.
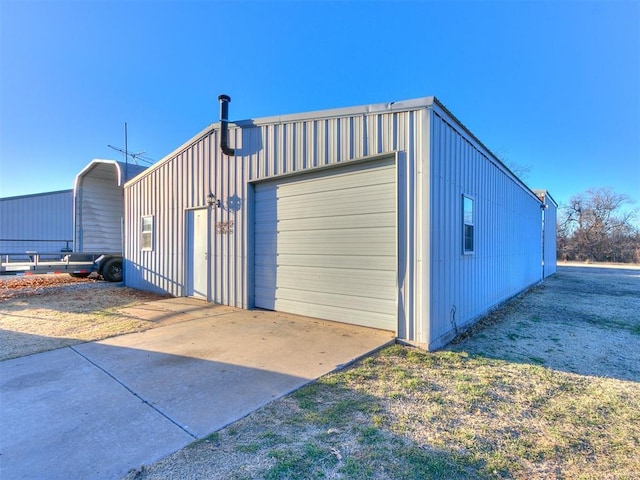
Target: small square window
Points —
{"points": [[468, 225], [146, 235]]}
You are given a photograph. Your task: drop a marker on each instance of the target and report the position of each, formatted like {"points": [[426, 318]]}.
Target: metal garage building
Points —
{"points": [[41, 222], [549, 235], [393, 216]]}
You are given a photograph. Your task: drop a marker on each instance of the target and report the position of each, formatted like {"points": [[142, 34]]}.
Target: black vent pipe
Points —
{"points": [[224, 130]]}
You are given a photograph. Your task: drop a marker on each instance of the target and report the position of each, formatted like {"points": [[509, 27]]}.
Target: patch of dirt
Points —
{"points": [[11, 287], [44, 312]]}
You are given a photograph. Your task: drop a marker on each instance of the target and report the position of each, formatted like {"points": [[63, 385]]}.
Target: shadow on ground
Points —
{"points": [[96, 411]]}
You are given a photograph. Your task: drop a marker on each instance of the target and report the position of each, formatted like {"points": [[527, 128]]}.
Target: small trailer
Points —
{"points": [[109, 265]]}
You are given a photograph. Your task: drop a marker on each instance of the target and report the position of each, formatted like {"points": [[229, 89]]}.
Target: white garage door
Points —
{"points": [[325, 244]]}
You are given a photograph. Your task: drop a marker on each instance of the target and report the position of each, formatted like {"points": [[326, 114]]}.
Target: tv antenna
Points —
{"points": [[134, 156]]}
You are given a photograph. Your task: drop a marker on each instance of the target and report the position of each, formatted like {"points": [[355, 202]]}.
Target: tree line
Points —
{"points": [[597, 226]]}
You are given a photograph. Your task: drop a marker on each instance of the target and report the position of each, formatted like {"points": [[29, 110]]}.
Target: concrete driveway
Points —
{"points": [[99, 409]]}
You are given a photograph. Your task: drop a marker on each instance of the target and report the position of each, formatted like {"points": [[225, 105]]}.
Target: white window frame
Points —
{"points": [[468, 223], [147, 233]]}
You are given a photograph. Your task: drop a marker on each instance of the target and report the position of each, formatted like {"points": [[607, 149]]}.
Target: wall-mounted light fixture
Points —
{"points": [[212, 200]]}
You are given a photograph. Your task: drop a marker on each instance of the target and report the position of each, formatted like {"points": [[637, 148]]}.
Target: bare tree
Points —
{"points": [[521, 171], [595, 226]]}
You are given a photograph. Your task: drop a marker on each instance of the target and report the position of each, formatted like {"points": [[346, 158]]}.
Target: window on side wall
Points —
{"points": [[146, 235], [468, 226]]}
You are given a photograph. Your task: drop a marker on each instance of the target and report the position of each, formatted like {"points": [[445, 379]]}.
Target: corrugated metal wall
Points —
{"points": [[508, 246], [27, 221], [263, 150], [99, 205], [99, 210]]}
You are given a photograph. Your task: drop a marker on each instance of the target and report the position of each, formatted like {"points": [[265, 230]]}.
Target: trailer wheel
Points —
{"points": [[112, 270]]}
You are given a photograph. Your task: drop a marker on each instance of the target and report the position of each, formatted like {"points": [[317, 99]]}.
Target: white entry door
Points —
{"points": [[198, 253]]}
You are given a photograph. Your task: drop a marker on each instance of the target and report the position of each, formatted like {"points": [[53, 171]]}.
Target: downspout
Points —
{"points": [[224, 129]]}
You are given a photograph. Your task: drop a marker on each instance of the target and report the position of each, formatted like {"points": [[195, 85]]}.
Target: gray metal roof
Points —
{"points": [[124, 171]]}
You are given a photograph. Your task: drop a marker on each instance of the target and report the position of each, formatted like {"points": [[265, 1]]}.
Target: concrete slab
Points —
{"points": [[62, 417], [175, 310], [97, 410], [206, 373]]}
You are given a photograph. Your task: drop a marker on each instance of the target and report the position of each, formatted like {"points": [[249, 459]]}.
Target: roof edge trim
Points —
{"points": [[91, 165], [41, 194], [396, 106]]}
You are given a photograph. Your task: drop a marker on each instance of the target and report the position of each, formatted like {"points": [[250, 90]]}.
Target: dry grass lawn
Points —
{"points": [[44, 312]]}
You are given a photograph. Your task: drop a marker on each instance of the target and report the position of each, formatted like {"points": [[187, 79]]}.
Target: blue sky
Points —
{"points": [[554, 86]]}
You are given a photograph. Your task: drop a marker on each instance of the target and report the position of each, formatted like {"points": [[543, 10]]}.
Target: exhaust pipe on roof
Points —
{"points": [[224, 130]]}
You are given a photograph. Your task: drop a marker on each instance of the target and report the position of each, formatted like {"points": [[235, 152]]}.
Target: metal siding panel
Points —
{"points": [[102, 207], [238, 254], [507, 252], [409, 232], [36, 218]]}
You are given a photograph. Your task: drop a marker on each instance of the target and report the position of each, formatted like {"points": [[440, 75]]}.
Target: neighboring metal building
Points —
{"points": [[42, 222], [549, 234], [392, 216], [98, 205]]}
